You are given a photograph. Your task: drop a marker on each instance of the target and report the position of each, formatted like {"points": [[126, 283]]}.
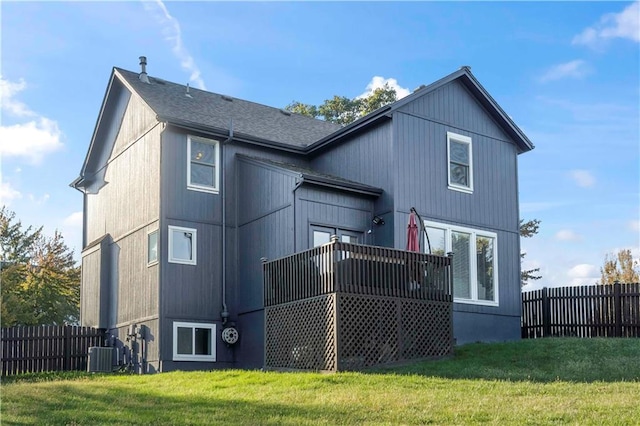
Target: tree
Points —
{"points": [[342, 110], [622, 268], [527, 230], [40, 282]]}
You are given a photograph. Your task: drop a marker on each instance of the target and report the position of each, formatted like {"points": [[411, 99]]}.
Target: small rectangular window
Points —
{"points": [[460, 159], [152, 247], [202, 164], [194, 341], [182, 245]]}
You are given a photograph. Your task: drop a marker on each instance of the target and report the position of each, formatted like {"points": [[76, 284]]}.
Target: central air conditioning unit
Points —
{"points": [[100, 360]]}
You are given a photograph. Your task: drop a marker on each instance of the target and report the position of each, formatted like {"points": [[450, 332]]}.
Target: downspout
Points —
{"points": [[225, 312]]}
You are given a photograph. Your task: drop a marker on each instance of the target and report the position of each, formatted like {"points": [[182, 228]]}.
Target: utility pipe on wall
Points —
{"points": [[225, 312]]}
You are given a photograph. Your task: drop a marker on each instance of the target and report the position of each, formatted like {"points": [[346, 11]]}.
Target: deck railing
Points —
{"points": [[339, 267]]}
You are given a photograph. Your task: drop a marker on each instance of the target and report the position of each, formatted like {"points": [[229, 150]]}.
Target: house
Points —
{"points": [[185, 191]]}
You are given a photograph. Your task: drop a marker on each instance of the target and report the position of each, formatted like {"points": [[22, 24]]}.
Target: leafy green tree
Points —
{"points": [[342, 110], [40, 282], [622, 268], [527, 230]]}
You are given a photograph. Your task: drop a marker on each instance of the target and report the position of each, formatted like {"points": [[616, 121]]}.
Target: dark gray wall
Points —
{"points": [[94, 291], [368, 158]]}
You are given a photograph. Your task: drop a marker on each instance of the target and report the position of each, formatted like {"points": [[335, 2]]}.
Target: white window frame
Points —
{"points": [[216, 178], [193, 357], [464, 140], [151, 262], [194, 245], [474, 233]]}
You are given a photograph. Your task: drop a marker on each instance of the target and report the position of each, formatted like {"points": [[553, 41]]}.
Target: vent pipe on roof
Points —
{"points": [[188, 95], [143, 74]]}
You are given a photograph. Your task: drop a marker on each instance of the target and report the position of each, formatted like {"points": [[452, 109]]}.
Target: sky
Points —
{"points": [[568, 73]]}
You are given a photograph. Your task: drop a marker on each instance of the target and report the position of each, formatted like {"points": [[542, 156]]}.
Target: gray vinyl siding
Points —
{"points": [[265, 229], [94, 290], [454, 106], [368, 158], [123, 202], [331, 209], [131, 196], [134, 285]]}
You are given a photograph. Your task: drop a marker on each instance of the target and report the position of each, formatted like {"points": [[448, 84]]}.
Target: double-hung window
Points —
{"points": [[194, 341], [460, 159], [475, 260], [183, 245], [203, 163]]}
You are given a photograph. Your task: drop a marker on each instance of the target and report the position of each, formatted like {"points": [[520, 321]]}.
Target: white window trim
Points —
{"points": [[199, 187], [192, 325], [153, 262], [472, 256], [466, 140], [194, 245]]}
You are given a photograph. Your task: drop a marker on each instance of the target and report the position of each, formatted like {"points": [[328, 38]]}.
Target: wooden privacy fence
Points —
{"points": [[33, 349], [587, 311]]}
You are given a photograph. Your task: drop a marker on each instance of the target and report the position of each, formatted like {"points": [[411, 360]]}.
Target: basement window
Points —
{"points": [[194, 341], [182, 245]]}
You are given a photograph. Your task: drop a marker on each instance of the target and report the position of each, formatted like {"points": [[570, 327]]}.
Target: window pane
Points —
{"points": [[202, 174], [321, 237], [484, 252], [461, 273], [182, 245], [185, 342], [153, 247], [203, 152], [459, 152], [436, 240], [203, 341], [459, 174], [351, 239]]}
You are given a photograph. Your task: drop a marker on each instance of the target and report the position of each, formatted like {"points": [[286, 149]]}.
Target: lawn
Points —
{"points": [[544, 381]]}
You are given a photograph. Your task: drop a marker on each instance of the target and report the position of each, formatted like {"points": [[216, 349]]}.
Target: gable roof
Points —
{"points": [[463, 75], [314, 177], [213, 111]]}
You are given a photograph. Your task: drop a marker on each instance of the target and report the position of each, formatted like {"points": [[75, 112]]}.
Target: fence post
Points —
{"points": [[546, 313], [617, 307], [67, 348]]}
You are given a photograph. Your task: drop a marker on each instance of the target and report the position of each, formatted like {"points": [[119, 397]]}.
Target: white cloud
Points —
{"points": [[379, 82], [584, 274], [38, 201], [568, 235], [582, 178], [8, 193], [573, 69], [173, 34], [8, 90], [625, 24], [634, 225], [73, 220], [31, 140]]}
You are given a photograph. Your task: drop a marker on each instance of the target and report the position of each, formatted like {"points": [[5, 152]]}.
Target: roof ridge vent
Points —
{"points": [[188, 95], [227, 98], [422, 86], [285, 112], [466, 68], [143, 73]]}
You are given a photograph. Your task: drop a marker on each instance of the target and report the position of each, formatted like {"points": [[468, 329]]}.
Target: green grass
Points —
{"points": [[544, 381]]}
